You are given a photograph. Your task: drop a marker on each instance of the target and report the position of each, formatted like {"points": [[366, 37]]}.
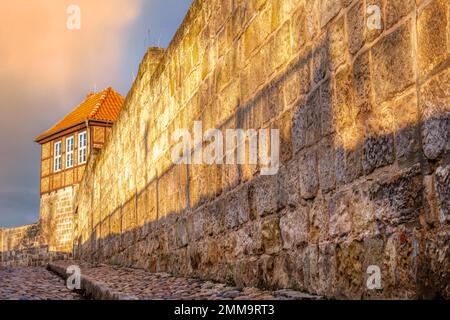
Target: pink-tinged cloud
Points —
{"points": [[45, 70], [35, 43]]}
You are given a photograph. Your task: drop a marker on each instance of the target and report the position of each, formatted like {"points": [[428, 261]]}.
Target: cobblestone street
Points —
{"points": [[33, 284], [107, 282], [124, 283]]}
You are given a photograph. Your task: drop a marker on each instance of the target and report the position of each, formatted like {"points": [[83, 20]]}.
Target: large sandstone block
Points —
{"points": [[378, 145], [432, 35], [337, 43], [191, 219], [313, 18], [309, 259], [306, 127], [396, 10], [352, 211], [249, 239], [280, 47], [349, 273], [435, 115], [348, 126], [116, 222], [329, 9], [326, 269], [181, 236], [392, 63], [309, 180], [281, 10], [263, 195], [213, 218], [344, 109], [237, 210], [283, 264], [356, 26], [129, 218], [402, 259], [284, 125], [271, 235], [327, 116], [348, 162], [299, 35], [362, 83], [443, 193], [438, 284], [340, 209], [287, 184], [398, 199], [407, 135], [247, 272], [294, 227], [319, 220], [326, 164], [321, 60]]}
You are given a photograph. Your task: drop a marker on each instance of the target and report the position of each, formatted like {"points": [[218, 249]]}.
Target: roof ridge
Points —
{"points": [[104, 105], [103, 97]]}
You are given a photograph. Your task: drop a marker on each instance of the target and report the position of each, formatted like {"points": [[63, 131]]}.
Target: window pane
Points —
{"points": [[57, 156], [69, 152], [82, 143]]}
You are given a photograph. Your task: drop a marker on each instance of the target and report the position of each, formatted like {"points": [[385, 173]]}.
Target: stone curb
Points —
{"points": [[296, 295], [92, 288]]}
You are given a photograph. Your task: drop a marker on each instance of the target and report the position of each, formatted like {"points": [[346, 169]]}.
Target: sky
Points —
{"points": [[46, 70]]}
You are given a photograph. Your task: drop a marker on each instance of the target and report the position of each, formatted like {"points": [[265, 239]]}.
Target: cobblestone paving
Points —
{"points": [[32, 283], [160, 286]]}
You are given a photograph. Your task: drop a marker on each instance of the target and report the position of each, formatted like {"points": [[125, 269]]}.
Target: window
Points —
{"points": [[69, 152], [82, 147], [57, 157]]}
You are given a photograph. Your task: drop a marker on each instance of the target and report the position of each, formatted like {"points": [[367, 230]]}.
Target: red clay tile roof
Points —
{"points": [[103, 106]]}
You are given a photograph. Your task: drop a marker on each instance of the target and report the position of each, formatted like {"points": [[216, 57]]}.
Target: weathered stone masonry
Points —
{"points": [[364, 119], [64, 147], [49, 239]]}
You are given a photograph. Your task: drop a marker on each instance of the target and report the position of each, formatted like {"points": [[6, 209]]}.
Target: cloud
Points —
{"points": [[20, 205], [35, 42], [45, 70]]}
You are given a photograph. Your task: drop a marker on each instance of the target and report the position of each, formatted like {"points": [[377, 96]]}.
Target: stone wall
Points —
{"points": [[364, 178], [49, 239], [22, 246], [56, 219]]}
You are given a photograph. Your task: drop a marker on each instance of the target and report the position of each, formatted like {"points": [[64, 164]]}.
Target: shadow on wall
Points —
{"points": [[364, 179]]}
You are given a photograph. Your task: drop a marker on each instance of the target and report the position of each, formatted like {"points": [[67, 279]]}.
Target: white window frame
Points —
{"points": [[57, 156], [70, 147], [82, 147]]}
